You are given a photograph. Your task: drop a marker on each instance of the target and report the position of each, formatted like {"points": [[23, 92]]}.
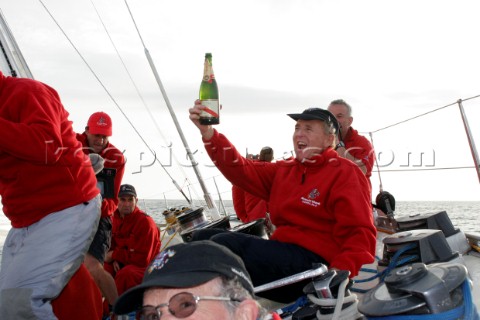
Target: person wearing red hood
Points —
{"points": [[319, 203], [49, 194], [95, 139]]}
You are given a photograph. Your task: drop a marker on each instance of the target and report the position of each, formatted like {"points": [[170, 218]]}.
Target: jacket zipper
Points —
{"points": [[303, 175]]}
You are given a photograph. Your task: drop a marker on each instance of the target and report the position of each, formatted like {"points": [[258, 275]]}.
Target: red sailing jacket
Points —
{"points": [[322, 204], [42, 168], [113, 159], [248, 207], [135, 238], [359, 147]]}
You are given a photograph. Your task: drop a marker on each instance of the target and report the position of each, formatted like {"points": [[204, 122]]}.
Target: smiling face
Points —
{"points": [[97, 142], [343, 117], [204, 309], [311, 137]]}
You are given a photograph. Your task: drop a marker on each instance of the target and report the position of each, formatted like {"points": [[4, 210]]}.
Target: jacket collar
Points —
{"points": [[320, 159]]}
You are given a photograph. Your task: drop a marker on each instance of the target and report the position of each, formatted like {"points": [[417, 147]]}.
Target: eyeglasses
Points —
{"points": [[181, 305]]}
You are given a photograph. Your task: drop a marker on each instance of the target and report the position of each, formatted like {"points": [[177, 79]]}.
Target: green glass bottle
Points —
{"points": [[209, 94]]}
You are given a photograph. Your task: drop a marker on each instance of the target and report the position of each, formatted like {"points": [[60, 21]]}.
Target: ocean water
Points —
{"points": [[464, 214]]}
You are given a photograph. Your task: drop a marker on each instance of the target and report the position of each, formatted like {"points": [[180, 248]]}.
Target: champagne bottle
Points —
{"points": [[209, 94]]}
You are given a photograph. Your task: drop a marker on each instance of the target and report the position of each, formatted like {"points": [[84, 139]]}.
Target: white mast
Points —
{"points": [[12, 62]]}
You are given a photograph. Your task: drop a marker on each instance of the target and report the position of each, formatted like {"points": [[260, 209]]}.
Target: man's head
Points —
{"points": [[98, 129], [266, 154], [343, 113], [127, 199], [315, 131], [188, 270]]}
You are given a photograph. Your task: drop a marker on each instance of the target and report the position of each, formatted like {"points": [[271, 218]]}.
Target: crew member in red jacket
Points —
{"points": [[319, 203], [135, 241], [95, 139], [247, 206], [49, 194], [352, 145]]}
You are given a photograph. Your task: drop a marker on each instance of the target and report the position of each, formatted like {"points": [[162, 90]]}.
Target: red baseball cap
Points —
{"points": [[100, 123]]}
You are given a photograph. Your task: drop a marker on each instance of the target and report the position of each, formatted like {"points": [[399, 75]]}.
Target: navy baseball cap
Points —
{"points": [[127, 190], [185, 265], [316, 114]]}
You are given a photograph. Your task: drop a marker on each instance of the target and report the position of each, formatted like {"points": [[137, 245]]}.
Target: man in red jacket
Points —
{"points": [[95, 139], [319, 203], [49, 194], [247, 206], [135, 241], [351, 144]]}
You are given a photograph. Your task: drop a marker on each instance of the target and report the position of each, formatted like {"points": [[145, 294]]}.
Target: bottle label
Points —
{"points": [[209, 78], [212, 108]]}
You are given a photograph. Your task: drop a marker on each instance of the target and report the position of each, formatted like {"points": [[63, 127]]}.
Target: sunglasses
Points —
{"points": [[181, 305]]}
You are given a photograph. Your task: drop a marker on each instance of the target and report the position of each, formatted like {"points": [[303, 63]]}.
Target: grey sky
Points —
{"points": [[391, 60]]}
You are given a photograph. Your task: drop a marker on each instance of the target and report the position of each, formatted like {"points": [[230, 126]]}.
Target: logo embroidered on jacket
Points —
{"points": [[313, 194], [310, 200]]}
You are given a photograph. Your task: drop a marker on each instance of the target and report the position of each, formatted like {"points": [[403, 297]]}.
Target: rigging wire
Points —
{"points": [[423, 114], [405, 121], [210, 203], [113, 99], [138, 91], [427, 169], [128, 72], [376, 164]]}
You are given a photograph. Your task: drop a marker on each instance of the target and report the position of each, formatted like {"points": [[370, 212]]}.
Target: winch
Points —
{"points": [[422, 245], [255, 227], [437, 221], [418, 289], [222, 223], [192, 218], [432, 220]]}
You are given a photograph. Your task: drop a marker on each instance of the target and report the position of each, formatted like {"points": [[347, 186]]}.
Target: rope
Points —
{"points": [[169, 240], [394, 262], [165, 230], [350, 312], [477, 248], [300, 302]]}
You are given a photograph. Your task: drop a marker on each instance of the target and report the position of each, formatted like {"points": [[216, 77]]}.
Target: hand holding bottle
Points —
{"points": [[195, 112]]}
